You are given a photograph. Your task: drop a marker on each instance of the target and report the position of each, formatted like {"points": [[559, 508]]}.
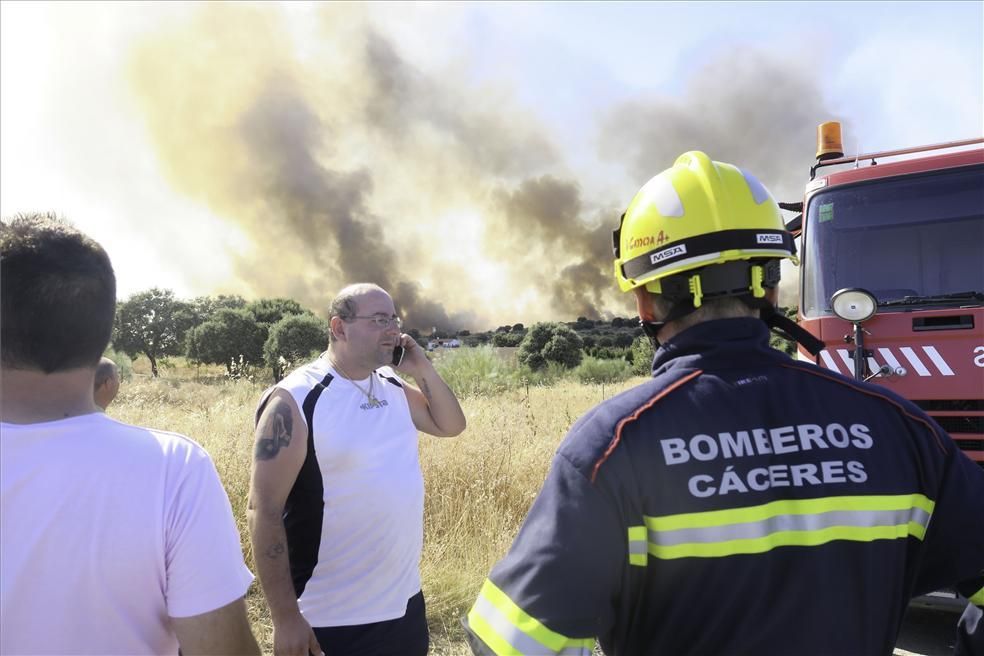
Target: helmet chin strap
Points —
{"points": [[680, 308], [652, 328], [790, 330], [783, 326]]}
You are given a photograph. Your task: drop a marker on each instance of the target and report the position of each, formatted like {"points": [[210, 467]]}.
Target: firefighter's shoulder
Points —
{"points": [[866, 392], [597, 434]]}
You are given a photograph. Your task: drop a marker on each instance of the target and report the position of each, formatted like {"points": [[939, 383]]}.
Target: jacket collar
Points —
{"points": [[727, 342]]}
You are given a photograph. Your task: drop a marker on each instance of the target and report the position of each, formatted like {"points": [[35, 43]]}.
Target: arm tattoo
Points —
{"points": [[426, 390], [275, 435], [274, 551]]}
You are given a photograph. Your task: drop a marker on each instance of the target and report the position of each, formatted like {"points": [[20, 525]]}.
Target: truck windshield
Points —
{"points": [[919, 238]]}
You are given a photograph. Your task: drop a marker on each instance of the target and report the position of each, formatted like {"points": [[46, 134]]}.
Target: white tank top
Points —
{"points": [[363, 564]]}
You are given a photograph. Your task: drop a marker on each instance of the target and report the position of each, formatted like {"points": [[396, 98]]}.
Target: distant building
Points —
{"points": [[443, 343]]}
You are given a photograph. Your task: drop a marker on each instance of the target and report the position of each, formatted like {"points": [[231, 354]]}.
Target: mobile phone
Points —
{"points": [[397, 355]]}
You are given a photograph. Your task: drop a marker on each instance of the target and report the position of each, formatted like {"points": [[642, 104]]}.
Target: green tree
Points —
{"points": [[203, 307], [152, 323], [293, 339], [564, 347], [230, 337], [550, 342], [531, 348], [272, 310], [642, 356]]}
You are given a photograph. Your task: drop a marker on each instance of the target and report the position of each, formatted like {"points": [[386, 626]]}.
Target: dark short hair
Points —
{"points": [[57, 295]]}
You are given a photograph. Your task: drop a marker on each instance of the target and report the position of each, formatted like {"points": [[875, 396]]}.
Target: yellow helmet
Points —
{"points": [[700, 213]]}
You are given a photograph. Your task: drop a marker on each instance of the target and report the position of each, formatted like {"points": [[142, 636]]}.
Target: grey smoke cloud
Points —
{"points": [[321, 211], [747, 108], [550, 237], [362, 167], [484, 139]]}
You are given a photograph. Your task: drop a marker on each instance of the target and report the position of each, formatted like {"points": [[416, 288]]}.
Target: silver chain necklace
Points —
{"points": [[370, 397]]}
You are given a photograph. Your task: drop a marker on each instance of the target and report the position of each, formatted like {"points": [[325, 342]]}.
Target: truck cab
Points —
{"points": [[892, 259]]}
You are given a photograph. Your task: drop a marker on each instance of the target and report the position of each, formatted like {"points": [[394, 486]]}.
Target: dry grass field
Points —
{"points": [[478, 485]]}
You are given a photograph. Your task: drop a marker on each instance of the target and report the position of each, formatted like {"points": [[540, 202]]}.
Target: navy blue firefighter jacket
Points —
{"points": [[740, 502]]}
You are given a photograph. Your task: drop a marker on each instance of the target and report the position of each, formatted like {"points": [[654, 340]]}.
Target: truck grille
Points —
{"points": [[956, 405], [960, 426], [970, 445], [953, 425]]}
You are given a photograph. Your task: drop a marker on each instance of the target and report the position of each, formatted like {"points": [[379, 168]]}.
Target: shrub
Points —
{"points": [[597, 370], [230, 337], [475, 371], [623, 340], [550, 342], [612, 353], [642, 356], [293, 339], [550, 374], [583, 323], [506, 339], [478, 339]]}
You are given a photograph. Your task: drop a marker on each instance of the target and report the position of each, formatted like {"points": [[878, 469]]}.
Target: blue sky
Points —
{"points": [[599, 96]]}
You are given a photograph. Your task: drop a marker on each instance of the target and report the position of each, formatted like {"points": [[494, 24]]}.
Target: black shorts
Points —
{"points": [[404, 636]]}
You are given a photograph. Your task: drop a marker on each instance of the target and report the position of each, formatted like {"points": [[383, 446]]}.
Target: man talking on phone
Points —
{"points": [[336, 495]]}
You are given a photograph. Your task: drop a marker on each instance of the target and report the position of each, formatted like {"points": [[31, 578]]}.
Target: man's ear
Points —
{"points": [[337, 327], [772, 295], [644, 304]]}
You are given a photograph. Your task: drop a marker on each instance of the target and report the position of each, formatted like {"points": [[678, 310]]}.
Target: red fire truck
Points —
{"points": [[892, 274]]}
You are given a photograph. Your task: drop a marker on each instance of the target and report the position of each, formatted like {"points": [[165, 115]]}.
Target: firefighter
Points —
{"points": [[740, 501]]}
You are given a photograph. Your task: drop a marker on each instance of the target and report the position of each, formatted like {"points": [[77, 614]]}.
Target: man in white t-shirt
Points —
{"points": [[337, 496], [114, 539]]}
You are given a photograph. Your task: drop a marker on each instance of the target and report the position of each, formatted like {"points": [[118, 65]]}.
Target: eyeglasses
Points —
{"points": [[381, 321]]}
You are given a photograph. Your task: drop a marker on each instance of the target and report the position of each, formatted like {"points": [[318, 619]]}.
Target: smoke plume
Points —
{"points": [[746, 107], [347, 163]]}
